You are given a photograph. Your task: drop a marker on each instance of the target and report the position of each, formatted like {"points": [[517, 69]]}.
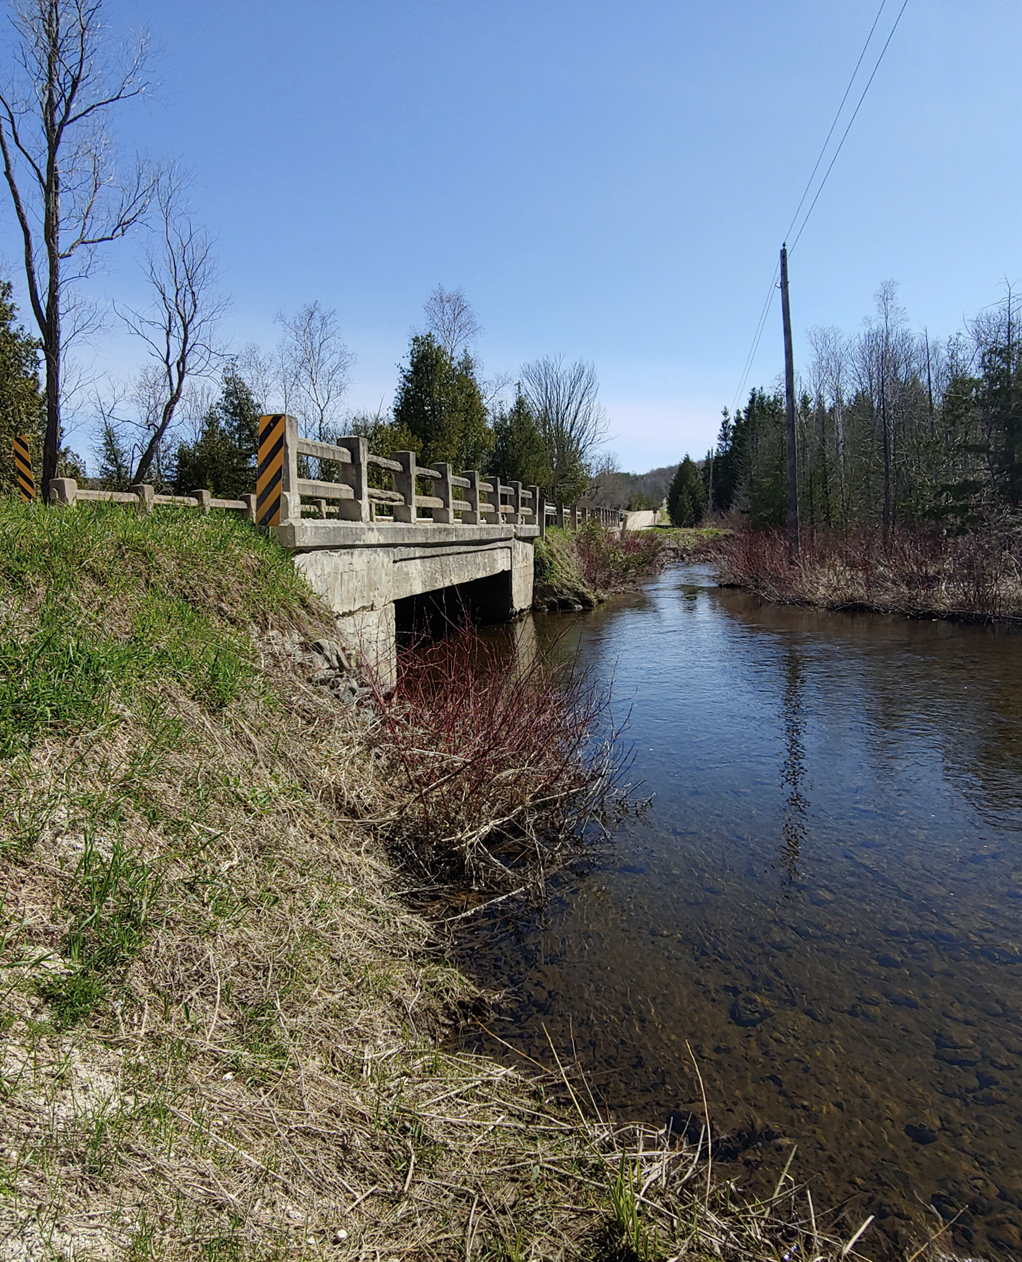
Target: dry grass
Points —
{"points": [[223, 1028], [974, 577]]}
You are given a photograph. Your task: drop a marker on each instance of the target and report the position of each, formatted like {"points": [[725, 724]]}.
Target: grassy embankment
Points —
{"points": [[577, 570], [223, 1027], [975, 577]]}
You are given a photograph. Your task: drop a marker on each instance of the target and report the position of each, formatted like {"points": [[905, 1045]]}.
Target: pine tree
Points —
{"points": [[440, 404], [223, 457], [114, 460], [22, 409], [519, 450], [686, 497]]}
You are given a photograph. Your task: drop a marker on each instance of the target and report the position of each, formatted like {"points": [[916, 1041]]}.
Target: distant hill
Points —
{"points": [[636, 490]]}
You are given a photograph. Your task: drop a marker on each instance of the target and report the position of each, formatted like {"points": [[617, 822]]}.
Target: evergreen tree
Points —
{"points": [[223, 457], [114, 460], [519, 450], [759, 450], [999, 397], [440, 404], [686, 498], [22, 409]]}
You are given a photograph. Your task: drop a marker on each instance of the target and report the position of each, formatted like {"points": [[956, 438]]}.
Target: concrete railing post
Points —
{"points": [[471, 516], [559, 519], [532, 517], [541, 513], [494, 516], [250, 507], [203, 497], [63, 491], [516, 503], [443, 489], [355, 475], [290, 500], [404, 484], [145, 492]]}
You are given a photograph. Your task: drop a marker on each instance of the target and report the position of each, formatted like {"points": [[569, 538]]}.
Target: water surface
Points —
{"points": [[823, 902]]}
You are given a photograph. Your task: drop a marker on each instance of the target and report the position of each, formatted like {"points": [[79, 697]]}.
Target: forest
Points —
{"points": [[894, 428]]}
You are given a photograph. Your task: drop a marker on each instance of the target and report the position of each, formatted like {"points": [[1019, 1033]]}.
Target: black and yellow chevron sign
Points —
{"points": [[23, 464], [271, 464]]}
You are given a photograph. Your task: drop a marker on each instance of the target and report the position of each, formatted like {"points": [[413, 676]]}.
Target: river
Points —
{"points": [[822, 902]]}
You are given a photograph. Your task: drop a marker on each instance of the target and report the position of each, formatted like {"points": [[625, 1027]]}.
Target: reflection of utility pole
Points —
{"points": [[794, 830], [789, 404]]}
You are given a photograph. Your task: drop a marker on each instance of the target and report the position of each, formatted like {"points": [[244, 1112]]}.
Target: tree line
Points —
{"points": [[893, 428]]}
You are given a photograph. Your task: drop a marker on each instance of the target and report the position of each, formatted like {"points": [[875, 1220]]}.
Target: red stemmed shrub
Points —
{"points": [[921, 573], [495, 752], [613, 561]]}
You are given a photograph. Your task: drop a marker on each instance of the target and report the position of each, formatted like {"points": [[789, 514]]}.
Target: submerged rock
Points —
{"points": [[749, 1010]]}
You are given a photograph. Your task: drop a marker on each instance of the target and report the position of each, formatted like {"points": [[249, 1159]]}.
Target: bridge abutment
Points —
{"points": [[362, 581]]}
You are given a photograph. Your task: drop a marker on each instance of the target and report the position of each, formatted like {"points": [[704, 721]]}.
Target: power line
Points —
{"points": [[849, 127], [837, 115], [757, 336], [751, 357]]}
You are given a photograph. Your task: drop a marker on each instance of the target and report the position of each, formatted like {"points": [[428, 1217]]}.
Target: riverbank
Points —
{"points": [[975, 577], [576, 570], [224, 1025]]}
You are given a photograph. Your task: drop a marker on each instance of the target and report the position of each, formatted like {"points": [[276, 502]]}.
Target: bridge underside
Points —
{"points": [[361, 571]]}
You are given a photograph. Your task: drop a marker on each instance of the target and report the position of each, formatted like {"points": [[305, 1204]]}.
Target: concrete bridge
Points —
{"points": [[376, 534]]}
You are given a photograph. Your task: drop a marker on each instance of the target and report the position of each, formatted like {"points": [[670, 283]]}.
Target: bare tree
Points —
{"points": [[571, 419], [451, 320], [259, 370], [314, 365], [59, 165], [179, 328], [828, 374]]}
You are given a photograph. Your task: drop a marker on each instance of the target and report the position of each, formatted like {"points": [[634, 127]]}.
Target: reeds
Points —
{"points": [[920, 573]]}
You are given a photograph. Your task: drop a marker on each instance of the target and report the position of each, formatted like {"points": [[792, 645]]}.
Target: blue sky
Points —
{"points": [[605, 180]]}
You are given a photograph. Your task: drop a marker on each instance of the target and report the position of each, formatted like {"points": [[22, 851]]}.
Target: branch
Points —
{"points": [[26, 230]]}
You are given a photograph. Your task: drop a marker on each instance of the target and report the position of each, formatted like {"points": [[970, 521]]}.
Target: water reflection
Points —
{"points": [[825, 901], [793, 772]]}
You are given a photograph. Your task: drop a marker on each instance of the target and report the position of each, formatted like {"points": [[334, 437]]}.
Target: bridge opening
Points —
{"points": [[435, 614]]}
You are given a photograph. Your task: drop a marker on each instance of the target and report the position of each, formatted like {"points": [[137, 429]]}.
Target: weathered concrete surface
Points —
{"points": [[361, 581], [314, 532]]}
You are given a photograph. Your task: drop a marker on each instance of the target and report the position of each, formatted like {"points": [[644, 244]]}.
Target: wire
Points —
{"points": [[756, 337], [761, 325], [849, 127], [837, 115]]}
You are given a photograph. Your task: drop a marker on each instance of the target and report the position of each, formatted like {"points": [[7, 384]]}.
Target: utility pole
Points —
{"points": [[789, 403]]}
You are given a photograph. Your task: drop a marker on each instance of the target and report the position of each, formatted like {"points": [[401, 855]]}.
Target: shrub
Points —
{"points": [[927, 573], [495, 757]]}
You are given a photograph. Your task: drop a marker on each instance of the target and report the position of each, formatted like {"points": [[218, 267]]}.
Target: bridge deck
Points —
{"points": [[316, 533]]}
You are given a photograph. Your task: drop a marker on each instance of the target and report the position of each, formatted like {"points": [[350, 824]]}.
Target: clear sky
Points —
{"points": [[607, 179]]}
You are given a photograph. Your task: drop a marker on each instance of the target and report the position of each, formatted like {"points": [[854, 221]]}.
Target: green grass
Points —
{"points": [[102, 608], [112, 897], [580, 568], [558, 572], [115, 599], [639, 1240]]}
